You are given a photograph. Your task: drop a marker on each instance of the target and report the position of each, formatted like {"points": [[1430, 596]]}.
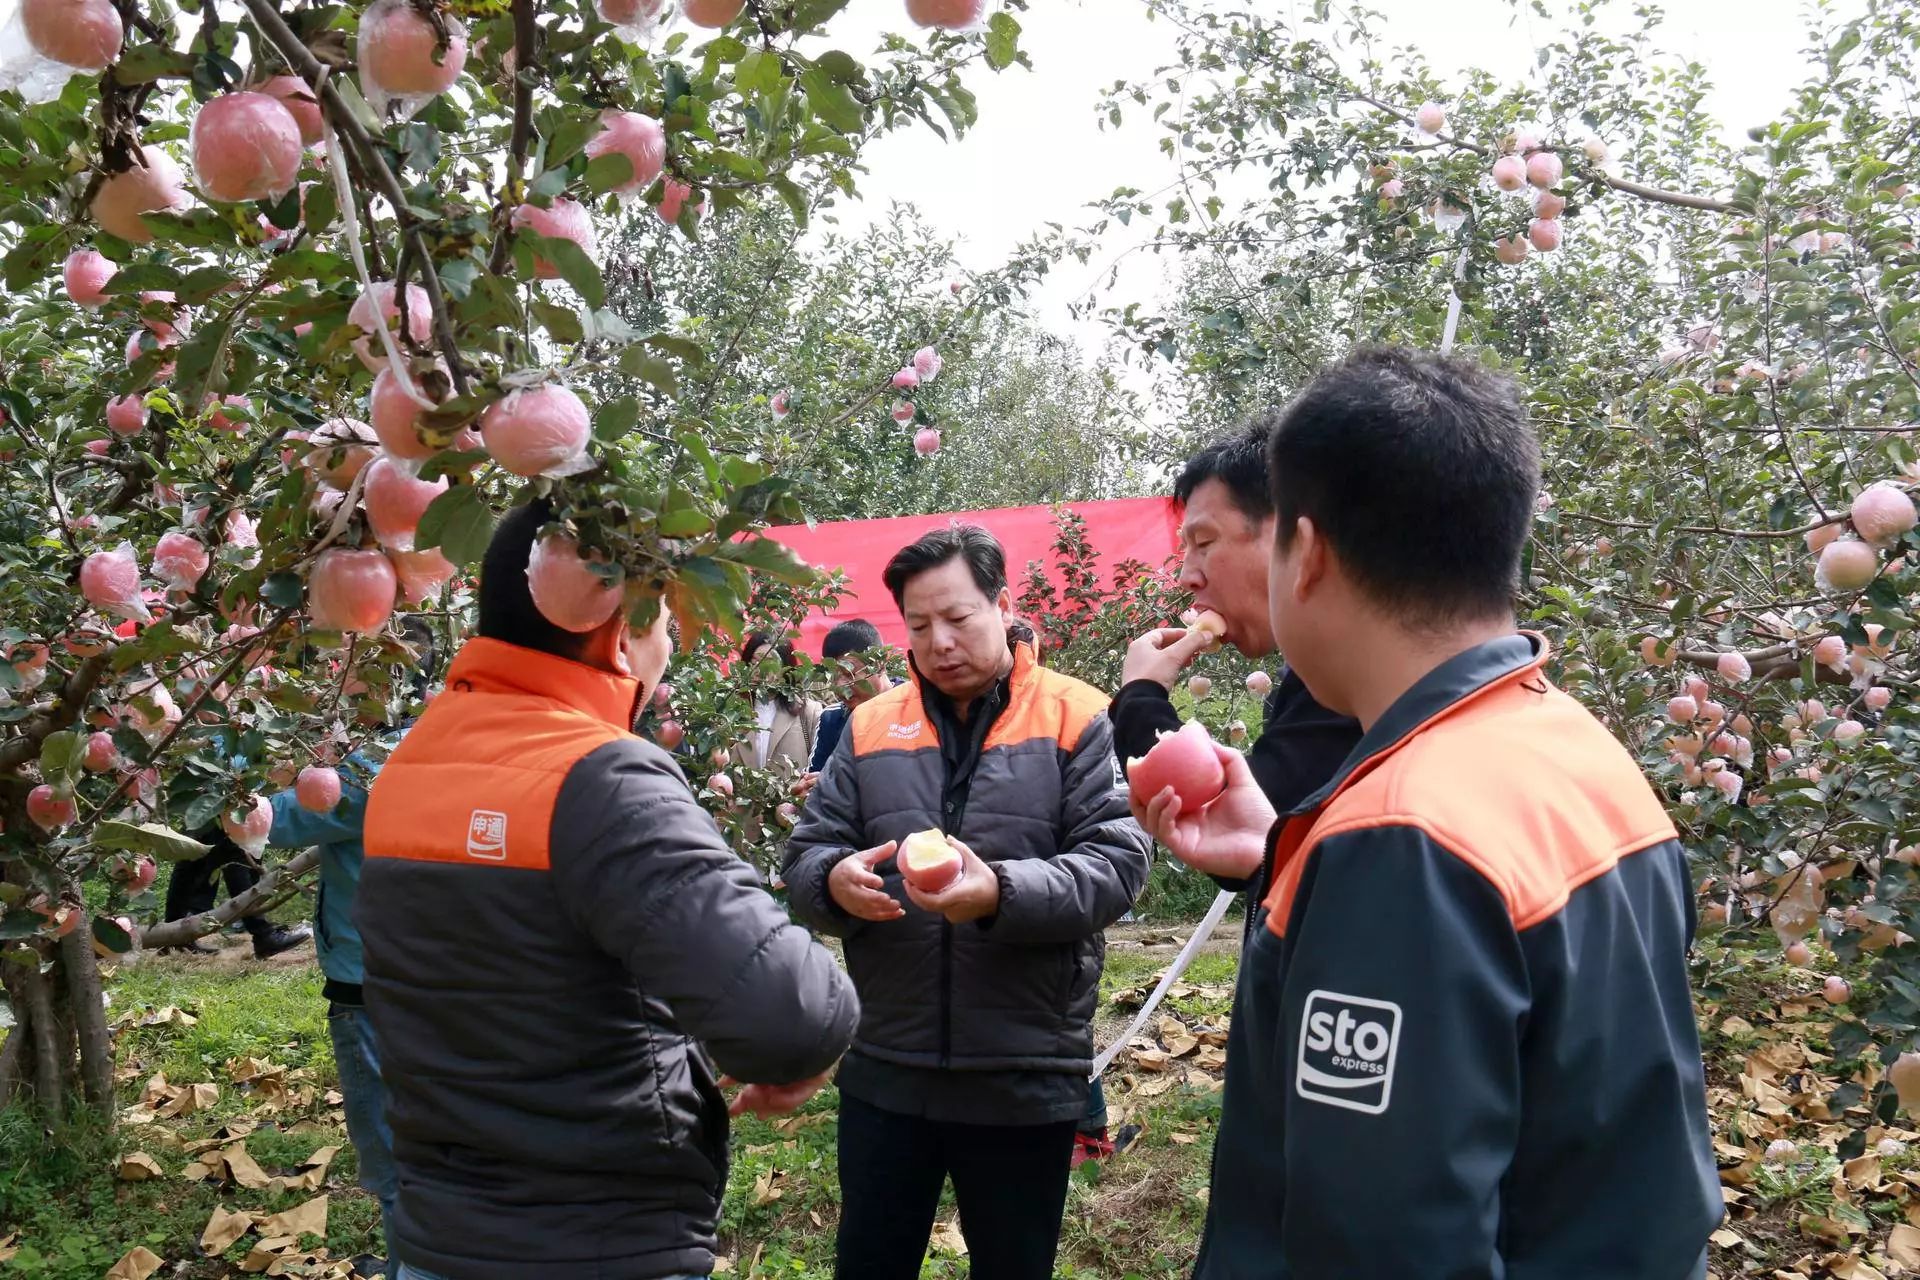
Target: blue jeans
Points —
{"points": [[366, 1102]]}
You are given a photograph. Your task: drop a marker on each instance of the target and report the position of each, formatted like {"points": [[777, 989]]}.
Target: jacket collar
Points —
{"points": [[484, 665], [1026, 660], [1455, 683]]}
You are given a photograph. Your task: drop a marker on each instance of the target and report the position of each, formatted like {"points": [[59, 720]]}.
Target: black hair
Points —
{"points": [[986, 561], [419, 637], [507, 611], [1420, 471], [751, 652], [1240, 463], [855, 635], [759, 640]]}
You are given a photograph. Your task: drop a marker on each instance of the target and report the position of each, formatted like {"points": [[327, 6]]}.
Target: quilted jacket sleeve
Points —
{"points": [[644, 871], [1102, 863]]}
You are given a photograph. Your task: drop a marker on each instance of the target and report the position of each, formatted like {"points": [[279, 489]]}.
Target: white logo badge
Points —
{"points": [[487, 835], [1347, 1048], [908, 731]]}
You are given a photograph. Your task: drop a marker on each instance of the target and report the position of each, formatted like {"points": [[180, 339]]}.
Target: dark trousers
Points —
{"points": [[1010, 1181], [191, 889]]}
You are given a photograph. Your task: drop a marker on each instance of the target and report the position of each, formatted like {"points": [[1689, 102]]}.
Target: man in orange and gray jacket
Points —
{"points": [[562, 956], [1463, 1009]]}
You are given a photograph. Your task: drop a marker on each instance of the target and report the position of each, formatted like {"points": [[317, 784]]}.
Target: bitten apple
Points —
{"points": [[928, 862]]}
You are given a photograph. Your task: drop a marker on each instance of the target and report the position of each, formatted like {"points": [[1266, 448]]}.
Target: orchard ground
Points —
{"points": [[72, 1213]]}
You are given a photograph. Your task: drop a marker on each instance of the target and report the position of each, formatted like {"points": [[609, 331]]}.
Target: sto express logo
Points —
{"points": [[1348, 1045]]}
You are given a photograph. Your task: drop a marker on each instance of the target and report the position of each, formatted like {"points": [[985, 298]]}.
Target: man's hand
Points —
{"points": [[772, 1099], [1228, 838], [860, 893], [1162, 654], [974, 896], [805, 783]]}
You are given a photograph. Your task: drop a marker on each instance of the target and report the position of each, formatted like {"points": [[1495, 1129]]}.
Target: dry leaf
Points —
{"points": [[947, 1239], [722, 1266], [764, 1192], [266, 1253], [1727, 1238], [1903, 1247], [138, 1167], [7, 1246], [1862, 1171], [223, 1228], [242, 1167], [1824, 1228], [303, 1219], [137, 1265], [1151, 1059]]}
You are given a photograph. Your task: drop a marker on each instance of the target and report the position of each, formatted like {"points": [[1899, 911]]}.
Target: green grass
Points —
{"points": [[1137, 1216], [59, 1192]]}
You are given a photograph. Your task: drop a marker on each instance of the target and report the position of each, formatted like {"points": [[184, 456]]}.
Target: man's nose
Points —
{"points": [[1192, 576]]}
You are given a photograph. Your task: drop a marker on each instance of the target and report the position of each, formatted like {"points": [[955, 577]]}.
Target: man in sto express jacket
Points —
{"points": [[976, 1033], [556, 939], [1464, 1011]]}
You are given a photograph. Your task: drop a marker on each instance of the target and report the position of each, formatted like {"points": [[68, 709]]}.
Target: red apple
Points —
{"points": [[1186, 761]]}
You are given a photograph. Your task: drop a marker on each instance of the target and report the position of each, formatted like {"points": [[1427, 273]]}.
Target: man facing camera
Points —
{"points": [[978, 977]]}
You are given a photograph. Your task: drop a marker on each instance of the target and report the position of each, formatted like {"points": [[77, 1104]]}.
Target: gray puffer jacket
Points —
{"points": [[562, 955], [1041, 800]]}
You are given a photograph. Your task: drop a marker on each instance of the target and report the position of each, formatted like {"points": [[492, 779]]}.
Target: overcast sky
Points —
{"points": [[1038, 155]]}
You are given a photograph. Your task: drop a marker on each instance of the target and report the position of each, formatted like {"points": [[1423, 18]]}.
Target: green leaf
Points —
{"points": [[161, 841], [459, 523], [146, 63], [60, 756], [811, 14], [110, 935], [283, 590], [832, 101], [562, 322], [687, 522], [686, 348], [636, 361], [34, 255], [609, 172], [841, 67], [795, 198], [161, 640], [759, 72], [616, 417], [574, 266], [776, 560], [1003, 41]]}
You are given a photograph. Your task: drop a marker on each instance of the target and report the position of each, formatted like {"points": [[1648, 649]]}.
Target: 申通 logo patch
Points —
{"points": [[907, 731], [487, 835], [1347, 1049]]}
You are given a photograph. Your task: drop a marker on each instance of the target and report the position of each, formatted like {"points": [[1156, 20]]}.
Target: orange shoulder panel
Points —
{"points": [[1057, 706], [894, 721], [1526, 787], [475, 781]]}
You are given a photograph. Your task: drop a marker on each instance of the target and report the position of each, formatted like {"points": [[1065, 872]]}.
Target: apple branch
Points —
{"points": [[273, 887], [525, 36], [367, 152], [25, 745]]}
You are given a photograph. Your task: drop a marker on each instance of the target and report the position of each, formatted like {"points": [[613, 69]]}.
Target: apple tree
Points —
{"points": [[300, 296]]}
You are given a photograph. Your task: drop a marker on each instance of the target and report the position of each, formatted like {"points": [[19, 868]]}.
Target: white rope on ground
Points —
{"points": [[1172, 975], [343, 195], [1453, 304]]}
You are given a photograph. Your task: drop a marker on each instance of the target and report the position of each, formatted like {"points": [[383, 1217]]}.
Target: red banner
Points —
{"points": [[1144, 529]]}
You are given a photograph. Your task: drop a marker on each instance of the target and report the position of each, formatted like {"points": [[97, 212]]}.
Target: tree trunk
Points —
{"points": [[49, 1077], [82, 972]]}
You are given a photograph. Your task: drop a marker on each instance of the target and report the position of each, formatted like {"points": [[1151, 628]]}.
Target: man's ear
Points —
{"points": [[1310, 557]]}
